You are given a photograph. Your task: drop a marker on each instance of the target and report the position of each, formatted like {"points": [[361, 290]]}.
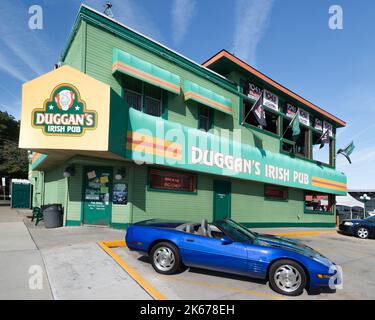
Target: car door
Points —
{"points": [[371, 225], [211, 253]]}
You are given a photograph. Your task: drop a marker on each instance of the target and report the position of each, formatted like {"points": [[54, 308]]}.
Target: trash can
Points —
{"points": [[53, 215]]}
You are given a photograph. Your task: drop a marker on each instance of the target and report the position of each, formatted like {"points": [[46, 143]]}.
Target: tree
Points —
{"points": [[13, 161]]}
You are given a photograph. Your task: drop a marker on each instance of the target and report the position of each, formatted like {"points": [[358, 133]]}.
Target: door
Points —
{"points": [[222, 201], [97, 202], [211, 253]]}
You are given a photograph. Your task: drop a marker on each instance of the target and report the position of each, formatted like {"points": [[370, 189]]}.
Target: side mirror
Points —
{"points": [[226, 240]]}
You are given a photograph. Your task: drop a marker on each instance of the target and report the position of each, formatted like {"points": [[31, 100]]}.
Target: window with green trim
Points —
{"points": [[298, 145], [318, 202], [205, 115], [272, 119], [143, 96], [323, 154]]}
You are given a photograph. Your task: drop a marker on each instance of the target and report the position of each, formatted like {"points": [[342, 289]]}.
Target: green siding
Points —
{"points": [[55, 186], [74, 210], [75, 55]]}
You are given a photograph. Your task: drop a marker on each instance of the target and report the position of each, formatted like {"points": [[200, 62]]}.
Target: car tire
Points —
{"points": [[362, 233], [165, 258], [287, 277]]}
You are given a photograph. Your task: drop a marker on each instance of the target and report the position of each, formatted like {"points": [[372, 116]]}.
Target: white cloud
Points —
{"points": [[7, 66], [26, 45], [252, 18], [182, 14]]}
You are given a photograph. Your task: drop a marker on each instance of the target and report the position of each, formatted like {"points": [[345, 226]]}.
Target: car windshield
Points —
{"points": [[236, 231]]}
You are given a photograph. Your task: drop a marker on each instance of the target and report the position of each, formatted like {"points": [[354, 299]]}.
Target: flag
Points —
{"points": [[258, 111], [346, 152], [324, 139], [295, 125]]}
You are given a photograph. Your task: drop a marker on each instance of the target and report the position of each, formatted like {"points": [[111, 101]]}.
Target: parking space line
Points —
{"points": [[146, 285], [304, 233], [217, 286]]}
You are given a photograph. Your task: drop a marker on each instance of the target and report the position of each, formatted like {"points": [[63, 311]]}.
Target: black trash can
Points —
{"points": [[53, 215]]}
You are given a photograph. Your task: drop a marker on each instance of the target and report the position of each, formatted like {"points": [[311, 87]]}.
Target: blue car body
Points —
{"points": [[249, 258]]}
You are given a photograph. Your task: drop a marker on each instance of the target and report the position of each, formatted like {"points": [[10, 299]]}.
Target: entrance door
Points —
{"points": [[222, 191], [97, 203]]}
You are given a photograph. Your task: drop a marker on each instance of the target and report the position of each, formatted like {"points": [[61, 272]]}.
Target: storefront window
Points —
{"points": [[318, 202], [272, 192], [171, 180]]}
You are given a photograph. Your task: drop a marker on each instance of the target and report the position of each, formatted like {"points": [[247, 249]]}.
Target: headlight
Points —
{"points": [[348, 223]]}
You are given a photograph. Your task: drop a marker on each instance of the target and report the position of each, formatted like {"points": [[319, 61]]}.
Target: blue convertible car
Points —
{"points": [[227, 246]]}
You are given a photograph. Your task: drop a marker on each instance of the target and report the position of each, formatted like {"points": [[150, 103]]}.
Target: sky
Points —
{"points": [[288, 40]]}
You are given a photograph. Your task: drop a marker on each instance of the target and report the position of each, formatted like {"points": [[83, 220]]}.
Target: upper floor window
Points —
{"points": [[272, 119], [143, 96], [322, 146], [205, 116]]}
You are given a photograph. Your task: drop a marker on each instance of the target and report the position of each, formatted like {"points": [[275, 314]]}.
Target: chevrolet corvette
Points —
{"points": [[227, 246]]}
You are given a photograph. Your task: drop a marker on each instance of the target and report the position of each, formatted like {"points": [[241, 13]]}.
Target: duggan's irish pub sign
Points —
{"points": [[64, 113]]}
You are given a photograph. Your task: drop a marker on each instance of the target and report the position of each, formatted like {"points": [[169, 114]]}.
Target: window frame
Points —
{"points": [[331, 199], [210, 117]]}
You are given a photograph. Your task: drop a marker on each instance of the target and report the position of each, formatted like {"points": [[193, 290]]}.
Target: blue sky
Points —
{"points": [[289, 40]]}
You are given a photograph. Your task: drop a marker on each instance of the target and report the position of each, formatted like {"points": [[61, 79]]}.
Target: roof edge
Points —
{"points": [[225, 54]]}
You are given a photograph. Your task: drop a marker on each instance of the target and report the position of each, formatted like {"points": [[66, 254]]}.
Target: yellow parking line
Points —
{"points": [[217, 286], [147, 286], [305, 233]]}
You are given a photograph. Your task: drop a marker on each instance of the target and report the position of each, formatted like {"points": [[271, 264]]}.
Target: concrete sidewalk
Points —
{"points": [[20, 261], [72, 264]]}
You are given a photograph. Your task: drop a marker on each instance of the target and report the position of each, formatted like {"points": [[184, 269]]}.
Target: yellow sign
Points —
{"points": [[65, 109]]}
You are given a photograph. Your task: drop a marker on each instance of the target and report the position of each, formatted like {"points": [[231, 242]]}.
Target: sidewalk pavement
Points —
{"points": [[72, 264]]}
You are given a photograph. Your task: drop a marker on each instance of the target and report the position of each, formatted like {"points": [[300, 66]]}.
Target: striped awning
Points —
{"points": [[133, 66], [207, 97]]}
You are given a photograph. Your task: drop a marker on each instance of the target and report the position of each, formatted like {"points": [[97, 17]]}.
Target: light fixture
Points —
{"points": [[69, 171], [121, 172]]}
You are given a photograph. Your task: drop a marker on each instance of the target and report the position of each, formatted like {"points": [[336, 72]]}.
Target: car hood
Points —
{"points": [[285, 243]]}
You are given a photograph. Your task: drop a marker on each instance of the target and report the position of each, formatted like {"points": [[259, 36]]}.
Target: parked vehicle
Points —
{"points": [[227, 246], [361, 228]]}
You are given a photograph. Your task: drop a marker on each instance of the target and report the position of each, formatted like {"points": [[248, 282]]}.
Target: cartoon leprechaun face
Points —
{"points": [[64, 99]]}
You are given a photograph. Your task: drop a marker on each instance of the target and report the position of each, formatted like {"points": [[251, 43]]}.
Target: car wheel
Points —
{"points": [[287, 277], [362, 233], [165, 258]]}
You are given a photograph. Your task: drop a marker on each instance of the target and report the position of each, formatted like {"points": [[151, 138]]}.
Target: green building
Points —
{"points": [[125, 129]]}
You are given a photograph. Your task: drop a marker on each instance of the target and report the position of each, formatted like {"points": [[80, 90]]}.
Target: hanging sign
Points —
{"points": [[271, 100], [254, 91], [290, 110], [328, 126], [304, 117], [318, 124]]}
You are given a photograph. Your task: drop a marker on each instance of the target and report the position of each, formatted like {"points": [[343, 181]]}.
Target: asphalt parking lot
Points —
{"points": [[355, 256], [75, 266]]}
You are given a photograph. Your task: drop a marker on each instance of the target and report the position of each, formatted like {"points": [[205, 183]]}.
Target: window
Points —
{"points": [[321, 154], [143, 96], [171, 180], [204, 118], [272, 119], [273, 192], [297, 145], [318, 202]]}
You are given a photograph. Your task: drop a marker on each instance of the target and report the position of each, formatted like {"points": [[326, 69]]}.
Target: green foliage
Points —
{"points": [[13, 161]]}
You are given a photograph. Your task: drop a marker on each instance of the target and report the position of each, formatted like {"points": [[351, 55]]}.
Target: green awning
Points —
{"points": [[207, 97], [131, 65]]}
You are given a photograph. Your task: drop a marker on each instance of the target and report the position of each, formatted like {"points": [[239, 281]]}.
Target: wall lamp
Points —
{"points": [[69, 171]]}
